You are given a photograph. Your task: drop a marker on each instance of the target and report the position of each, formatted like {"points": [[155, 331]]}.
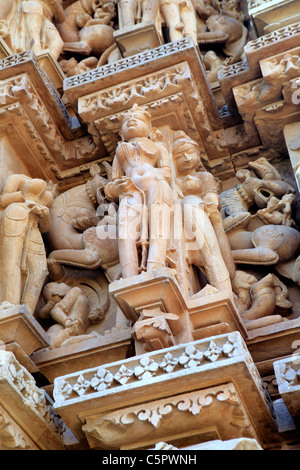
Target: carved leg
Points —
{"points": [[189, 20], [13, 225], [87, 258], [79, 47], [260, 255], [171, 15], [37, 271]]}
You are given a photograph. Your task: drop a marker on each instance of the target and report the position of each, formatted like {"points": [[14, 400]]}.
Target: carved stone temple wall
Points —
{"points": [[149, 225]]}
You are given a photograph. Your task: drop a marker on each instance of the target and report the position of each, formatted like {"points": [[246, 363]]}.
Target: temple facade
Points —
{"points": [[149, 225]]}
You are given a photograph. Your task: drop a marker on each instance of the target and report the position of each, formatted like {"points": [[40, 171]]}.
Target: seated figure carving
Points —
{"points": [[69, 308]]}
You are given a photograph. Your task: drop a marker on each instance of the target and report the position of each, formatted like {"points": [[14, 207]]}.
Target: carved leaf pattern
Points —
{"points": [[81, 385], [191, 357], [168, 363], [154, 416], [123, 375], [291, 375]]}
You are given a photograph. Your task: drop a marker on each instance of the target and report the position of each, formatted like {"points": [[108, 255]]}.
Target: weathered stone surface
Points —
{"points": [[30, 408], [287, 376], [191, 368]]}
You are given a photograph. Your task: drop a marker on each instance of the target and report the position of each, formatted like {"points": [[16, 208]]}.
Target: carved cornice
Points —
{"points": [[161, 374], [27, 62], [31, 407]]}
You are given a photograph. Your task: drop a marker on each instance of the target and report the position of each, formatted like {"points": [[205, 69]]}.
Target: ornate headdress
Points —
{"points": [[138, 111], [181, 140]]}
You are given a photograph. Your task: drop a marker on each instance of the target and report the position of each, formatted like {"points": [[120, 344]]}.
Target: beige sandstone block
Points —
{"points": [[92, 395], [271, 15], [287, 372], [29, 407], [17, 325], [242, 443], [91, 352], [271, 44]]}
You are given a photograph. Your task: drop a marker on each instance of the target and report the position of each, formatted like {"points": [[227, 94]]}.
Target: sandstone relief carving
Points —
{"points": [[74, 237], [88, 31], [25, 215], [28, 25], [262, 232], [69, 308], [200, 201], [141, 176]]}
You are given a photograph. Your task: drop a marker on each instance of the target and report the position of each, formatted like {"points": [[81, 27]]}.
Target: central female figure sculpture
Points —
{"points": [[141, 179]]}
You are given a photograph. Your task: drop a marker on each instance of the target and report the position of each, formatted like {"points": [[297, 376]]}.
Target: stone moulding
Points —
{"points": [[287, 373], [12, 437], [174, 418], [142, 64], [96, 351], [278, 41], [17, 325], [27, 62], [28, 406], [257, 52], [165, 373], [38, 126]]}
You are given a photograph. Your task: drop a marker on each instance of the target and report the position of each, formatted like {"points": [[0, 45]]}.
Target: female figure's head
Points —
{"points": [[185, 154]]}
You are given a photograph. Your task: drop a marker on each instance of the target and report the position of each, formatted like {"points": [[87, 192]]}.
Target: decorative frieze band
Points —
{"points": [[146, 367]]}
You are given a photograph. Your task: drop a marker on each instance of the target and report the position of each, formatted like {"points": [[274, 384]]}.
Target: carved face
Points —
{"points": [[55, 291], [135, 126], [186, 158]]}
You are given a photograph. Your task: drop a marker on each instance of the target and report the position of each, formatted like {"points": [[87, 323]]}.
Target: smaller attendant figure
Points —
{"points": [[206, 240]]}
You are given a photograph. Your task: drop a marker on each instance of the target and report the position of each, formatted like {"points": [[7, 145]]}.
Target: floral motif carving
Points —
{"points": [[189, 357]]}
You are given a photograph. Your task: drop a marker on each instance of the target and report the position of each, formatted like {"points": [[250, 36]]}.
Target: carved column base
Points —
{"points": [[207, 314], [17, 325], [153, 294], [138, 38]]}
